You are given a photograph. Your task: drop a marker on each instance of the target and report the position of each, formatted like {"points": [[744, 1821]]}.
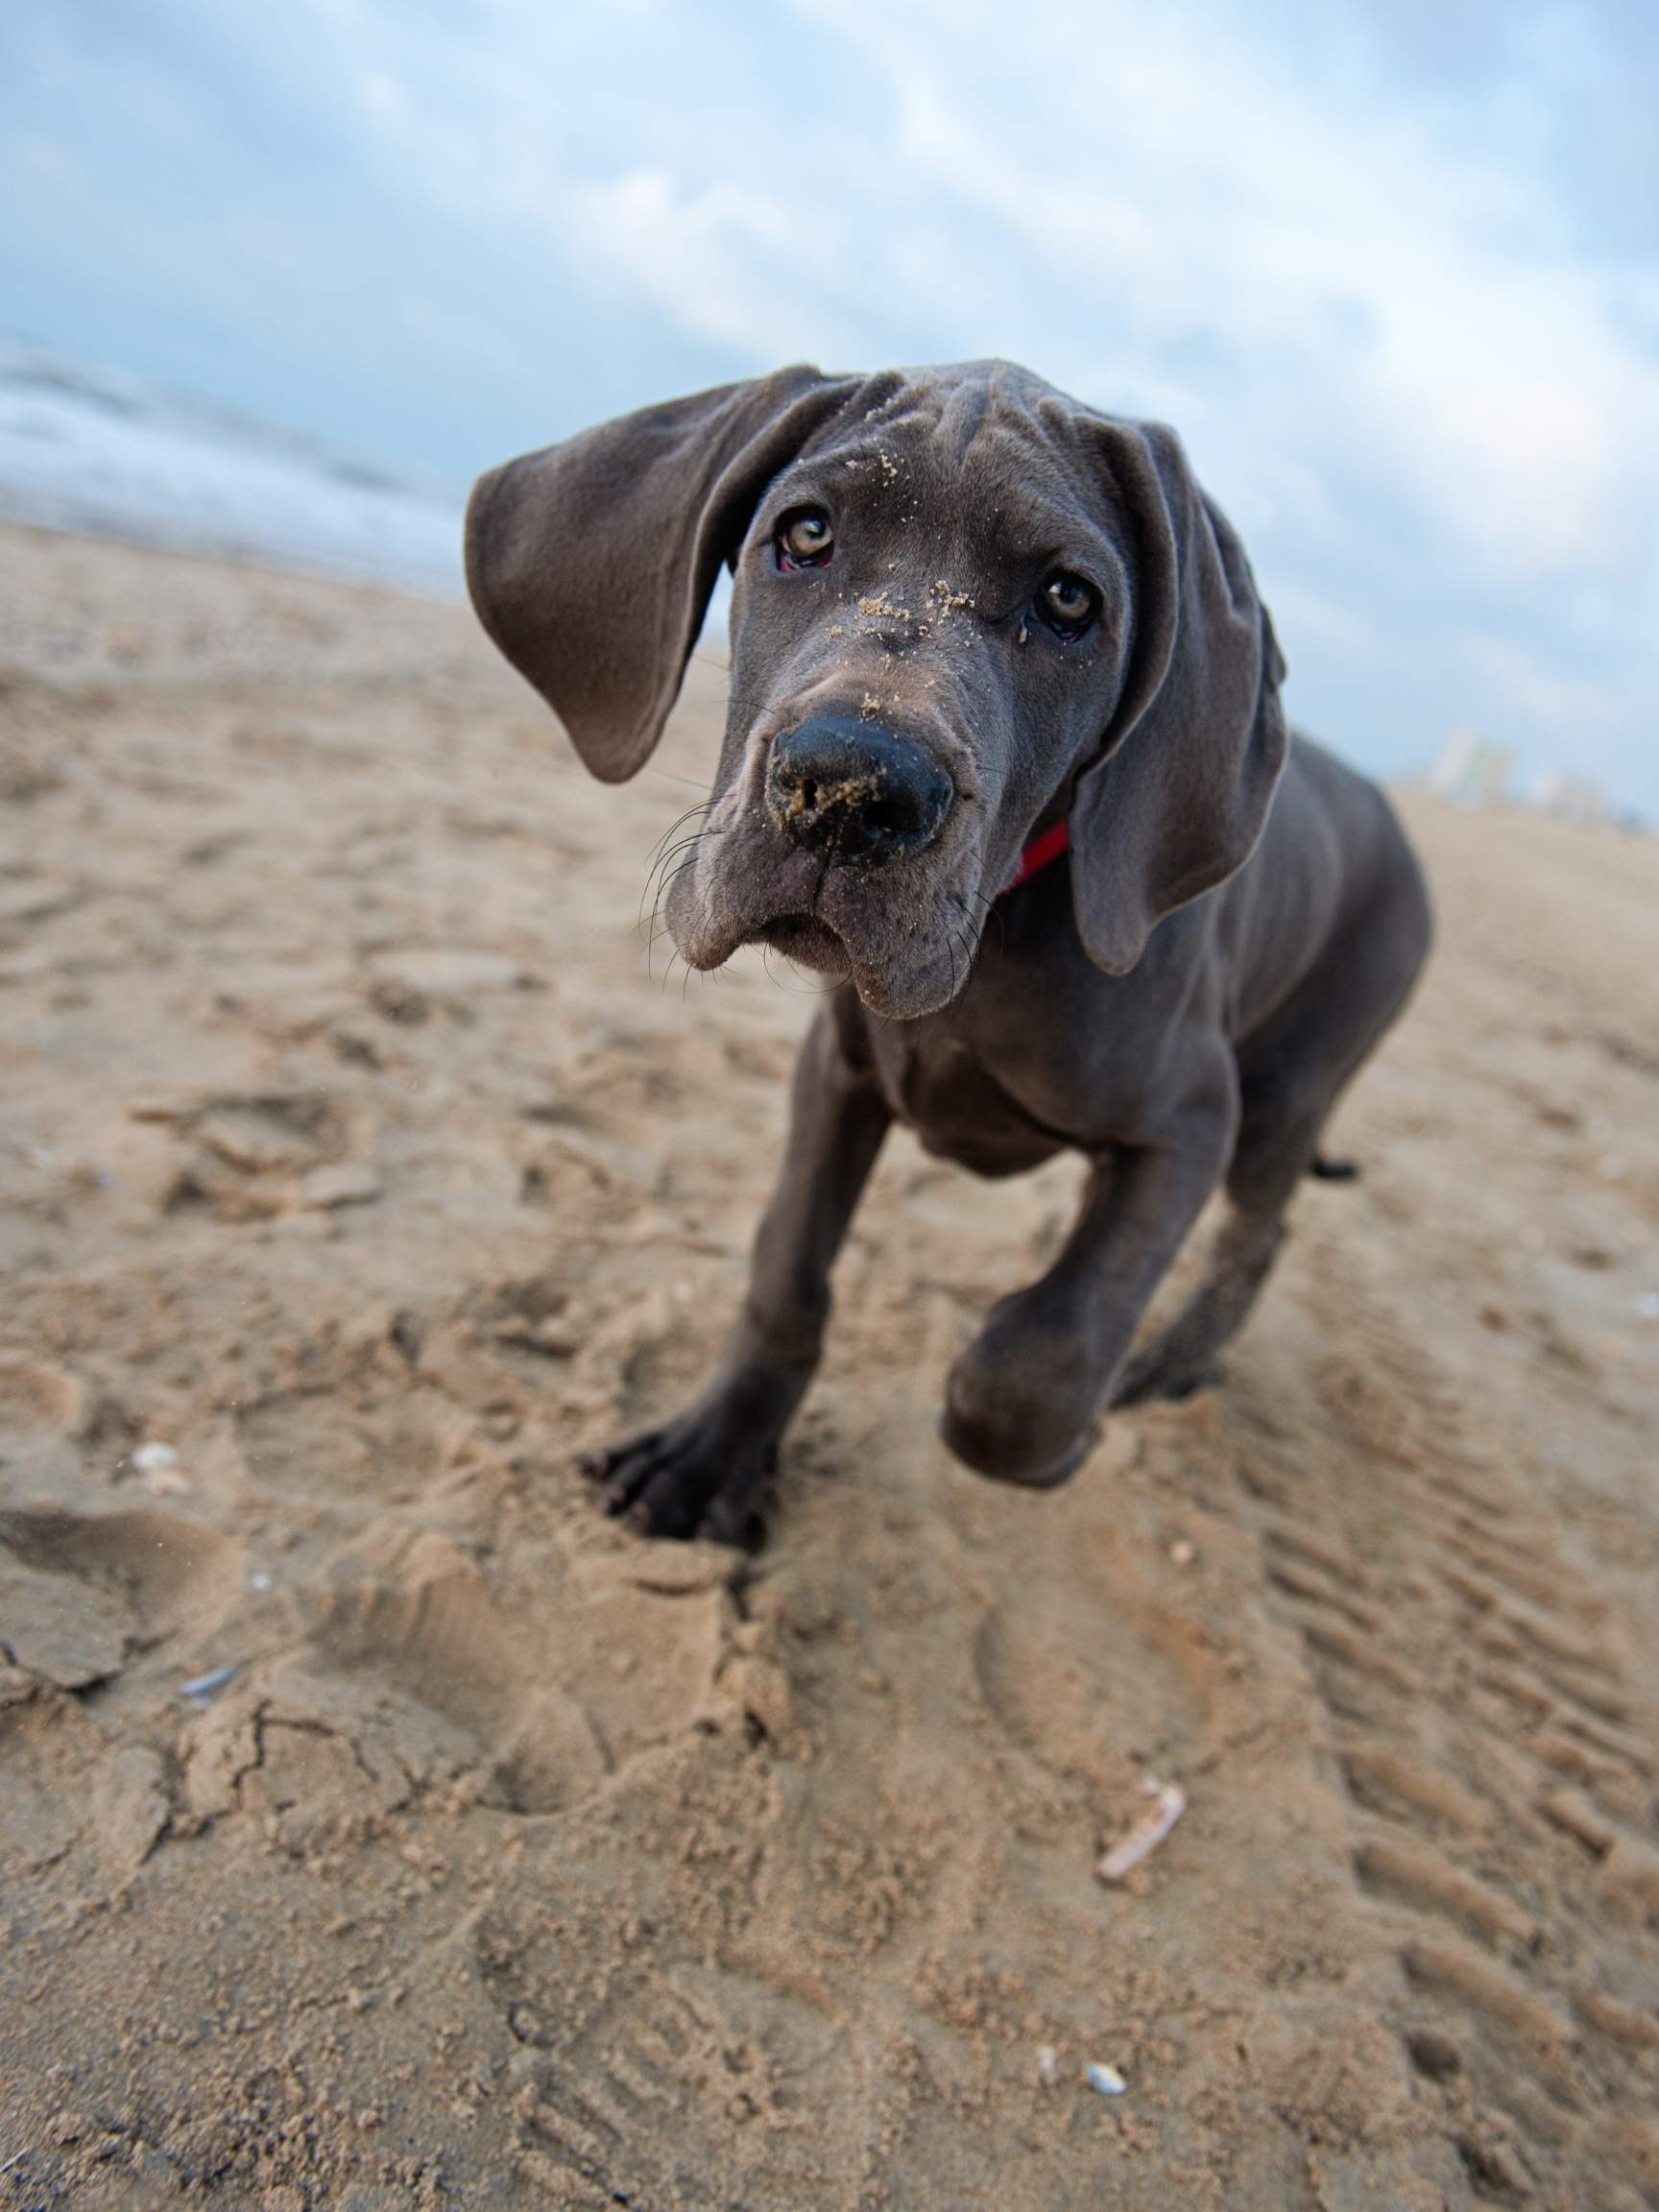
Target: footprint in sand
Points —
{"points": [[72, 1790], [79, 1591], [621, 2114], [256, 1154], [410, 1673]]}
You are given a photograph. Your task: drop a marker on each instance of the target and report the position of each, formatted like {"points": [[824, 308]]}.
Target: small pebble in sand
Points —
{"points": [[1169, 1803], [346, 1183], [1104, 2079], [559, 1340], [1183, 1552]]}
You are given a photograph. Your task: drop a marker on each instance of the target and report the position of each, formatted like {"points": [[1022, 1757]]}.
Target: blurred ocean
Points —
{"points": [[87, 449]]}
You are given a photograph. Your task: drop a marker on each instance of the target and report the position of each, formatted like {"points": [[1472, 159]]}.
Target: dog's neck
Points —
{"points": [[1046, 846]]}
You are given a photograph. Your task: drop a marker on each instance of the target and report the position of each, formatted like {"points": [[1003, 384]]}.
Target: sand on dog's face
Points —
{"points": [[352, 1152]]}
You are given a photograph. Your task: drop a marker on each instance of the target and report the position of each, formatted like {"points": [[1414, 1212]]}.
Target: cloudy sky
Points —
{"points": [[1391, 266]]}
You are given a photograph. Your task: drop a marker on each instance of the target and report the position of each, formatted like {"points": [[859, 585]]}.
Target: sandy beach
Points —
{"points": [[381, 1827]]}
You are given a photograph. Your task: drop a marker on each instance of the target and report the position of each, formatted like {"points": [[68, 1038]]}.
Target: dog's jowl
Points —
{"points": [[992, 652]]}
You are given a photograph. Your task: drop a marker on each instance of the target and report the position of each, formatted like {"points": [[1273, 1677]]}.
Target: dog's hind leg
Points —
{"points": [[1184, 1357], [1292, 1075], [1280, 1123]]}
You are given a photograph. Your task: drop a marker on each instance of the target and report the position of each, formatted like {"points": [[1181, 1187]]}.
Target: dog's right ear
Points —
{"points": [[590, 562]]}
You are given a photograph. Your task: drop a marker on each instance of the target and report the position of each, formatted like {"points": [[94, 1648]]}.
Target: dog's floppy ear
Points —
{"points": [[1197, 739], [590, 562]]}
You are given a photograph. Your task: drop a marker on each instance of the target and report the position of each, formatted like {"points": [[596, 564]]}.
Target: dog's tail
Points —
{"points": [[1333, 1171]]}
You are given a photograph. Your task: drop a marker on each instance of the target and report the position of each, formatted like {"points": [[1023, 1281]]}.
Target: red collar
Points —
{"points": [[1049, 845]]}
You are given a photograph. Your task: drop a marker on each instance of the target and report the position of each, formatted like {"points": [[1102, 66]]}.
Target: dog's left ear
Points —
{"points": [[1197, 739]]}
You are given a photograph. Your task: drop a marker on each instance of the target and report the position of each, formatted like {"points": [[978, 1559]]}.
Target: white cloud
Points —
{"points": [[702, 255]]}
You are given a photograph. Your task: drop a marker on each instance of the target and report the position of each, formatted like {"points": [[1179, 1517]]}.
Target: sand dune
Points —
{"points": [[381, 1827]]}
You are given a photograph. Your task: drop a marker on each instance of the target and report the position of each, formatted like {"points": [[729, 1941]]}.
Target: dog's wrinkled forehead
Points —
{"points": [[982, 459], [952, 408]]}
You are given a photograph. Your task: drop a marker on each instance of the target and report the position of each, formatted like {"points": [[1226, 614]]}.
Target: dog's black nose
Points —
{"points": [[854, 791]]}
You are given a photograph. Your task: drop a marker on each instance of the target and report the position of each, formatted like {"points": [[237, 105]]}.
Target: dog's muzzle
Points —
{"points": [[854, 791]]}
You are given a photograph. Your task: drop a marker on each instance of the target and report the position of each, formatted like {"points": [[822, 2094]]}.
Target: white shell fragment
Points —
{"points": [[206, 1687], [1169, 1803], [157, 1467], [1104, 2079]]}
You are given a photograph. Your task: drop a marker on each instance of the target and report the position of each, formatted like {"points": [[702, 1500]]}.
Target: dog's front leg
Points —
{"points": [[1023, 1400], [703, 1473]]}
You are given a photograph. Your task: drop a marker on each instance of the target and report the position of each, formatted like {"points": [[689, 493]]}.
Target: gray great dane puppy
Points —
{"points": [[1004, 755]]}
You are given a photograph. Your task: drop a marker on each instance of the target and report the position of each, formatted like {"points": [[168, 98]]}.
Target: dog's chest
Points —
{"points": [[937, 1087]]}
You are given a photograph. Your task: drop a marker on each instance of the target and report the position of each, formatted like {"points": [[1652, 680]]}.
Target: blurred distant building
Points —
{"points": [[1472, 770], [1573, 798]]}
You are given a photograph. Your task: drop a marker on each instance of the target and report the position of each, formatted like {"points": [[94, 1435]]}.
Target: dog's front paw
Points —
{"points": [[1004, 1461], [688, 1478]]}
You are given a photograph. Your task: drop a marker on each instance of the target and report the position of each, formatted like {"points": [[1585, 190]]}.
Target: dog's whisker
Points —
{"points": [[667, 852], [686, 845], [667, 775], [662, 885], [664, 859], [658, 929], [666, 873], [992, 912], [678, 823], [653, 889], [667, 868]]}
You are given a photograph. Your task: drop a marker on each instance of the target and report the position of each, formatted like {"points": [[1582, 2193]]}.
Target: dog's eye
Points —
{"points": [[1067, 604], [806, 538]]}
